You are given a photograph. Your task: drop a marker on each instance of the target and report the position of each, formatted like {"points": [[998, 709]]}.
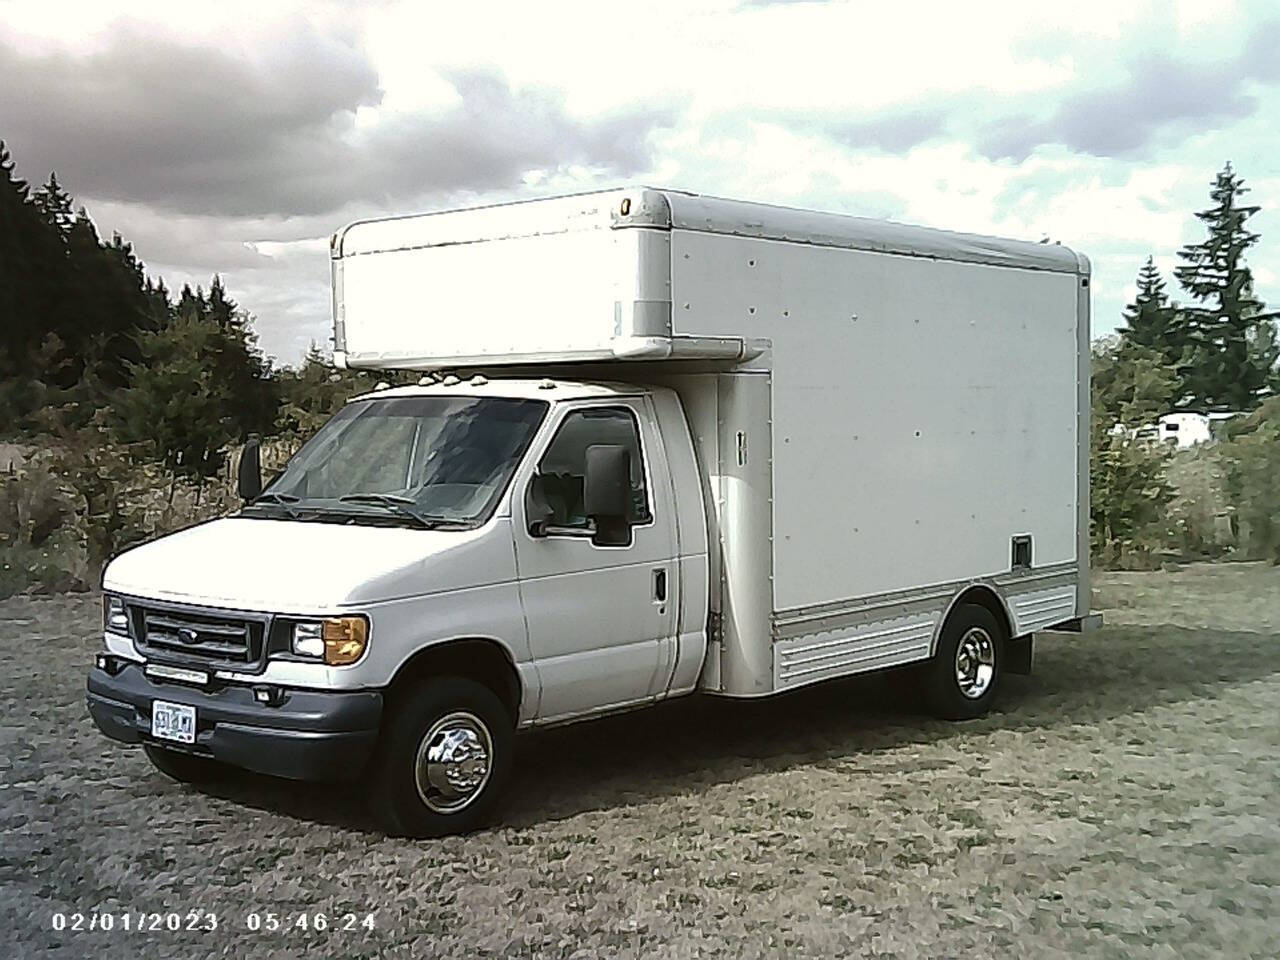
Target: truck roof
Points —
{"points": [[680, 210], [544, 388]]}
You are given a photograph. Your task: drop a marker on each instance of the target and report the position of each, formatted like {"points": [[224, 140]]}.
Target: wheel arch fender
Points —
{"points": [[484, 659], [980, 593]]}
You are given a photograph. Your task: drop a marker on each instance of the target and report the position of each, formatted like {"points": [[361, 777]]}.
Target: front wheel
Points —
{"points": [[443, 758], [965, 670]]}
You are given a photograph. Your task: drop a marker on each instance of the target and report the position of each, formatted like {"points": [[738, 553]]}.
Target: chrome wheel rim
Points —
{"points": [[454, 762], [975, 662]]}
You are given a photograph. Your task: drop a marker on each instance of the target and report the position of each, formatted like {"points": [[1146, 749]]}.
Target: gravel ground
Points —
{"points": [[1120, 802]]}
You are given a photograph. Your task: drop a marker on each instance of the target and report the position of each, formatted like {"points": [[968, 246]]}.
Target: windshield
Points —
{"points": [[445, 459]]}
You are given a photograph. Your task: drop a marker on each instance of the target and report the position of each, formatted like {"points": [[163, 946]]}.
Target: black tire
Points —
{"points": [[983, 638], [184, 767], [442, 708]]}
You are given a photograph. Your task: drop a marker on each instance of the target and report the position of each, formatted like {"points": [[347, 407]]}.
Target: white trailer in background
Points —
{"points": [[757, 448], [1185, 428]]}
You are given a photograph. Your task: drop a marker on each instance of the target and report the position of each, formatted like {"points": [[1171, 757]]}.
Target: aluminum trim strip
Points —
{"points": [[895, 637], [822, 618], [905, 653]]}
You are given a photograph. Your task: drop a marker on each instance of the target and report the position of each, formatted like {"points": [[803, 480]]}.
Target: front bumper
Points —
{"points": [[306, 735]]}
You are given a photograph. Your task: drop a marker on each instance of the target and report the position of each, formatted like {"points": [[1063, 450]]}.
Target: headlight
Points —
{"points": [[114, 617], [338, 640]]}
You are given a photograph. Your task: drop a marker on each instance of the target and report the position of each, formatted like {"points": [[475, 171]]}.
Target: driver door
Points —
{"points": [[601, 619]]}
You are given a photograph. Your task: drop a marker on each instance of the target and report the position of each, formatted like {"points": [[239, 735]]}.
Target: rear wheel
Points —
{"points": [[443, 758], [964, 674], [184, 767]]}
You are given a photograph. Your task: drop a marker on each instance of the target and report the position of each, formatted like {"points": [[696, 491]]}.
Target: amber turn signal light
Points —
{"points": [[344, 639]]}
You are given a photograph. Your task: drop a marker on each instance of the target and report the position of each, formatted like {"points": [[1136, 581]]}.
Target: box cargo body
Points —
{"points": [[879, 411]]}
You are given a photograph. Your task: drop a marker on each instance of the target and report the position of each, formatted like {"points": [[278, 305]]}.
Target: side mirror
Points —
{"points": [[249, 475], [537, 511], [606, 493]]}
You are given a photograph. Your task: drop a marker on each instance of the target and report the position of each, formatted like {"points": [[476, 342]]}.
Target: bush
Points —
{"points": [[1199, 507], [1252, 480], [102, 483], [39, 550], [55, 568], [32, 505], [1129, 498]]}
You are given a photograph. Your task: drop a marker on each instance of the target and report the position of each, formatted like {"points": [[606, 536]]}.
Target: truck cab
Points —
{"points": [[552, 532]]}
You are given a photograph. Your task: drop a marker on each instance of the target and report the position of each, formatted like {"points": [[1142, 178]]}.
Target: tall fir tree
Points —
{"points": [[55, 205], [1231, 358], [17, 221], [33, 275], [1152, 322], [233, 358]]}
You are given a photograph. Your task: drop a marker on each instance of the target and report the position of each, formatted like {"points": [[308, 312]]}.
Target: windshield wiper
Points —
{"points": [[283, 500], [401, 505]]}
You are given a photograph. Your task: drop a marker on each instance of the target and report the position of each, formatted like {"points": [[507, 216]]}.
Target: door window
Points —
{"points": [[563, 466]]}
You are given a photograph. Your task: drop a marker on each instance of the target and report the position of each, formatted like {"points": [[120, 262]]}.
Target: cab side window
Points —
{"points": [[563, 466]]}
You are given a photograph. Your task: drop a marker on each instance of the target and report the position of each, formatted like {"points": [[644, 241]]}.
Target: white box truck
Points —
{"points": [[662, 443]]}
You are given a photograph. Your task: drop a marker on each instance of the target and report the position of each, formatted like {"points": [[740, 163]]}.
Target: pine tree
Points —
{"points": [[1230, 362], [55, 205], [233, 357], [32, 276], [16, 223], [1153, 323], [1147, 318]]}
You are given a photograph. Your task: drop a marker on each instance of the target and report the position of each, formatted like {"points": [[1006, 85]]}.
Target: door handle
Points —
{"points": [[660, 585]]}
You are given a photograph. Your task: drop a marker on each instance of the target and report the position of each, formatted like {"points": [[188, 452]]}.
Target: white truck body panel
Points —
{"points": [[909, 397]]}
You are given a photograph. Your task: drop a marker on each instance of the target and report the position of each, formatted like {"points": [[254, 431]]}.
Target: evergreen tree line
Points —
{"points": [[88, 340]]}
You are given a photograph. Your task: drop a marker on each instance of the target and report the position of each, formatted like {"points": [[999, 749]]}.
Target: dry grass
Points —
{"points": [[1121, 802]]}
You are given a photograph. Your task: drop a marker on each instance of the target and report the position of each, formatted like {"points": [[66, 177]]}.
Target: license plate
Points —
{"points": [[173, 721]]}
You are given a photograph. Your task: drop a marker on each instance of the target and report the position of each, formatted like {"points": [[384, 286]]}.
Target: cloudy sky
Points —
{"points": [[235, 137]]}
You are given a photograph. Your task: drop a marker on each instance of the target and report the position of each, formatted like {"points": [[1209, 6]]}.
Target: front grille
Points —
{"points": [[206, 637]]}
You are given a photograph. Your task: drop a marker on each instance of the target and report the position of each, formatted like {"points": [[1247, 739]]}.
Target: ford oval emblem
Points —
{"points": [[187, 635]]}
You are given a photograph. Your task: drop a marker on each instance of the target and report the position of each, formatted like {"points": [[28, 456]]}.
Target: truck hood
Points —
{"points": [[295, 567]]}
